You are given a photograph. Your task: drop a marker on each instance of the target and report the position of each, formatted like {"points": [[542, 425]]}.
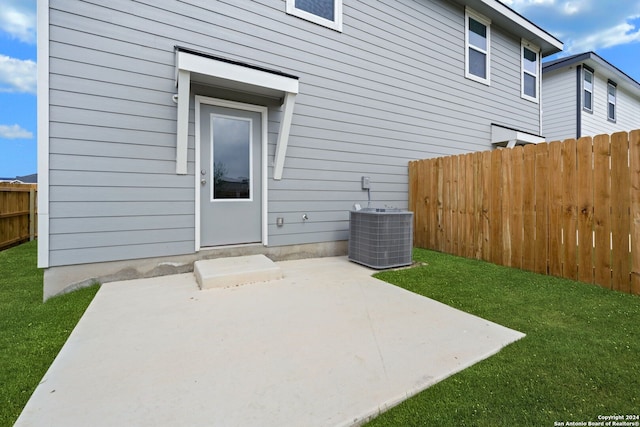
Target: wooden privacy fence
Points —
{"points": [[570, 209], [18, 213]]}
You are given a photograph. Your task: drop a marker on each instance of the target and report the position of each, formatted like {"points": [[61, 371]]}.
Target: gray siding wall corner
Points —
{"points": [[390, 88], [559, 104]]}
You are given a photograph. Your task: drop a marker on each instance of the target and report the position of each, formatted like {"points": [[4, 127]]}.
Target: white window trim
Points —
{"points": [[526, 45], [334, 25], [468, 13], [615, 102], [593, 82]]}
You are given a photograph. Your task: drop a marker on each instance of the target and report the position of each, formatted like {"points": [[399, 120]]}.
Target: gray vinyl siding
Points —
{"points": [[390, 88], [559, 109], [627, 110]]}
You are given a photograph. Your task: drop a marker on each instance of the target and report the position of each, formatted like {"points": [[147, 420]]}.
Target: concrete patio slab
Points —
{"points": [[327, 345]]}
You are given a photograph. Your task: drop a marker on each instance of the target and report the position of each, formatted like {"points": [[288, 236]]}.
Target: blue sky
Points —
{"points": [[611, 28]]}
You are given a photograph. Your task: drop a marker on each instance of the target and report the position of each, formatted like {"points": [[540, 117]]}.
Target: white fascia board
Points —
{"points": [[43, 132], [237, 73], [523, 22]]}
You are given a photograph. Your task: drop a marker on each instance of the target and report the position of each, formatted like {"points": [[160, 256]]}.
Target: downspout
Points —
{"points": [[578, 101], [540, 93]]}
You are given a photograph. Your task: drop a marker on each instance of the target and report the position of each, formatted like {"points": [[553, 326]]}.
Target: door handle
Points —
{"points": [[203, 181]]}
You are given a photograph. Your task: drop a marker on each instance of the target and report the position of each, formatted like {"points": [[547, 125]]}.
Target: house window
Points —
{"points": [[530, 67], [611, 101], [477, 47], [323, 12], [587, 89]]}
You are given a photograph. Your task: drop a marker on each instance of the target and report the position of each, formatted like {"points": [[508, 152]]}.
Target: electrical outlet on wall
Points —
{"points": [[366, 182]]}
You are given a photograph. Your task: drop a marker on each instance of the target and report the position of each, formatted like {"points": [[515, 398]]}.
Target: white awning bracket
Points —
{"points": [[197, 66], [283, 135]]}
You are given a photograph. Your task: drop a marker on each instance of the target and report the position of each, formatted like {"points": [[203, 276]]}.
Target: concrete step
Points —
{"points": [[235, 271]]}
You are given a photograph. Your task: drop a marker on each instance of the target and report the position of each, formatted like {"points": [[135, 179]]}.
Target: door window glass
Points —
{"points": [[231, 158]]}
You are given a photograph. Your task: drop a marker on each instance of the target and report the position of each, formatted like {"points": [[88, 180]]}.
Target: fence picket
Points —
{"points": [[477, 205], [541, 208], [505, 223], [485, 247], [469, 204], [569, 216], [528, 198], [516, 221], [495, 208], [432, 200], [620, 201], [555, 209], [585, 209], [601, 211], [634, 156], [439, 244], [461, 214], [453, 199]]}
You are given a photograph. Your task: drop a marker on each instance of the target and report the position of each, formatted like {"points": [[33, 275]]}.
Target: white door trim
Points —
{"points": [[263, 131]]}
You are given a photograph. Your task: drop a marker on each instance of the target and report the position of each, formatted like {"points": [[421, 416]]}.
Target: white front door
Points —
{"points": [[230, 175]]}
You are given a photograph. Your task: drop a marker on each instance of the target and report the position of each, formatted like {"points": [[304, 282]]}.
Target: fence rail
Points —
{"points": [[18, 213], [569, 209]]}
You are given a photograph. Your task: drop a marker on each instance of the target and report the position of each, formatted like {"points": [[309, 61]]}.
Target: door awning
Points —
{"points": [[192, 65], [503, 136]]}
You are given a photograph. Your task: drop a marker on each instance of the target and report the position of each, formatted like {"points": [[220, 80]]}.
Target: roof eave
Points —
{"points": [[507, 18], [602, 66]]}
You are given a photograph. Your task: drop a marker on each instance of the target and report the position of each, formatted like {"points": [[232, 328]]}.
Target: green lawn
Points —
{"points": [[580, 358], [31, 333]]}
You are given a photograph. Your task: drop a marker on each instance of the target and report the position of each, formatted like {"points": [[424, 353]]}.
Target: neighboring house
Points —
{"points": [[584, 95], [26, 179], [282, 104]]}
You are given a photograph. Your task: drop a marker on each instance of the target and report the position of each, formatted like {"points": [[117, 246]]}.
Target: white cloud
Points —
{"points": [[585, 25], [620, 34], [18, 19], [14, 132], [571, 8], [17, 75]]}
